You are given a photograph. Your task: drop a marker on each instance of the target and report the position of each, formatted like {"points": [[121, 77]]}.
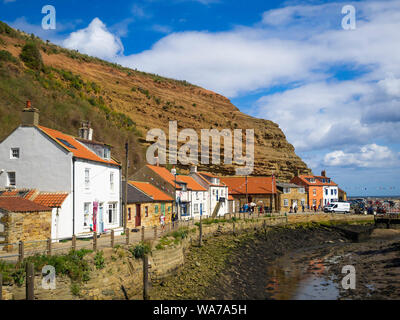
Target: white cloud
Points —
{"points": [[368, 156], [300, 49], [95, 40]]}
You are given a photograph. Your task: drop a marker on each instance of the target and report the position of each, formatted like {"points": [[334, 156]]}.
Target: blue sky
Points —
{"points": [[335, 93]]}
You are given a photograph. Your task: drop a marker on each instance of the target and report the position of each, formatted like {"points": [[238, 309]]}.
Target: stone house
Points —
{"points": [[146, 204], [36, 157], [23, 220], [342, 195], [259, 190], [168, 183], [59, 202], [291, 195]]}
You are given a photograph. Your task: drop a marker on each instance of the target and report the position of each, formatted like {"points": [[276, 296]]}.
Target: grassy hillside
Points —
{"points": [[122, 104]]}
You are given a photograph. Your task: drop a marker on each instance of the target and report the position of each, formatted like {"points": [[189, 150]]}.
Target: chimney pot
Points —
{"points": [[28, 104], [323, 173]]}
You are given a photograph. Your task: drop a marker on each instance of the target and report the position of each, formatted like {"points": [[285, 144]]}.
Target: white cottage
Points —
{"points": [[218, 193], [36, 157]]}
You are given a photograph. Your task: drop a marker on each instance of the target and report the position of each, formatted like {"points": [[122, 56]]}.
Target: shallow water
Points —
{"points": [[311, 281]]}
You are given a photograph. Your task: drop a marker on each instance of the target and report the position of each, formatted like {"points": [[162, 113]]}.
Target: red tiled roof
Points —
{"points": [[151, 191], [191, 183], [317, 181], [164, 174], [51, 200], [255, 185], [17, 204], [230, 197], [77, 148]]}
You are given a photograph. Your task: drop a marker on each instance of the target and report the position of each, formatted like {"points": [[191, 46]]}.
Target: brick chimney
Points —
{"points": [[323, 173], [85, 131], [30, 116]]}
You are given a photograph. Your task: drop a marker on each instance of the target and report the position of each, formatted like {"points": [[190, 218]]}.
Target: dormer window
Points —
{"points": [[107, 153]]}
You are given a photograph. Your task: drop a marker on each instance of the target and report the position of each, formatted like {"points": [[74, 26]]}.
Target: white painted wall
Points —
{"points": [[222, 193], [199, 198], [329, 198], [61, 226], [42, 164], [99, 191]]}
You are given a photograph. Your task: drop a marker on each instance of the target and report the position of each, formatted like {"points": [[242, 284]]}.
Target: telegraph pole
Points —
{"points": [[126, 186]]}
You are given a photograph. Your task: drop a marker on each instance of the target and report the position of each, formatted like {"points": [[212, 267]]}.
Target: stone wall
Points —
{"points": [[26, 226], [153, 218]]}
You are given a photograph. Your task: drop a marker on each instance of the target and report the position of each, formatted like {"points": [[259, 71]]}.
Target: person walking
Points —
{"points": [[162, 222]]}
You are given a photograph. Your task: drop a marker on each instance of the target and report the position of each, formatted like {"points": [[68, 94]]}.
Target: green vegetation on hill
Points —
{"points": [[63, 98]]}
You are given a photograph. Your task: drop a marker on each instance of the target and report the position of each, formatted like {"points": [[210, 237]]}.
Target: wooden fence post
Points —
{"points": [[94, 241], [49, 247], [21, 251], [1, 286], [233, 227], [143, 234], [145, 277], [127, 236], [201, 232], [30, 282], [74, 242], [155, 232], [112, 238]]}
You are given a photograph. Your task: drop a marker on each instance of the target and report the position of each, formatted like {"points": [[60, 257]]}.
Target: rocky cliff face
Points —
{"points": [[151, 101]]}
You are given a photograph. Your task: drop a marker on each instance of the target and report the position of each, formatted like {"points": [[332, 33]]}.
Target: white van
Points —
{"points": [[338, 207]]}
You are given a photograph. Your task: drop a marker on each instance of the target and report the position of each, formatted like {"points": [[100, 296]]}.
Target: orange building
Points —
{"points": [[315, 186]]}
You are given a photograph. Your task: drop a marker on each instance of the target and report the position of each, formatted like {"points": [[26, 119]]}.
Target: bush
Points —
{"points": [[75, 289], [7, 56], [72, 264], [31, 56], [140, 250], [99, 261]]}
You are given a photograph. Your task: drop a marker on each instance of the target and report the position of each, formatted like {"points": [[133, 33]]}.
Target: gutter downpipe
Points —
{"points": [[73, 196]]}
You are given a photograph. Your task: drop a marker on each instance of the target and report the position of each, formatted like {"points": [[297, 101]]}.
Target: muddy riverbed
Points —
{"points": [[296, 263]]}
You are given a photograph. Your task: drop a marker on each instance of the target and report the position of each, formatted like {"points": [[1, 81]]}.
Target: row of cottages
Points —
{"points": [[36, 157], [146, 205], [261, 191], [321, 190], [198, 194]]}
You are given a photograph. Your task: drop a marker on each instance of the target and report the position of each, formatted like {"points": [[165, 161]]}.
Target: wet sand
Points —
{"points": [[286, 264]]}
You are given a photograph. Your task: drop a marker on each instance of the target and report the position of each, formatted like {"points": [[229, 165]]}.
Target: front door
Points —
{"points": [[101, 217], [138, 218]]}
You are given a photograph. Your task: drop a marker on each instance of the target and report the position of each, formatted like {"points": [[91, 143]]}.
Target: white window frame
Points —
{"points": [[302, 190], [9, 179], [112, 206], [314, 192], [12, 157], [286, 202], [86, 214], [87, 178], [286, 190], [196, 208]]}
